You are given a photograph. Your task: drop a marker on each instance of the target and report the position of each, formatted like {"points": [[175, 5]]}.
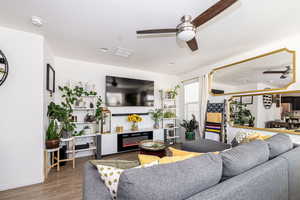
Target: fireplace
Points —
{"points": [[130, 141]]}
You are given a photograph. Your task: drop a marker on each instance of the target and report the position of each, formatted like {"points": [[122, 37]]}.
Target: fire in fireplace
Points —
{"points": [[130, 141]]}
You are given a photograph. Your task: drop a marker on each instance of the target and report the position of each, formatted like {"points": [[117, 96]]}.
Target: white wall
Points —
{"points": [[21, 110], [76, 70], [292, 43]]}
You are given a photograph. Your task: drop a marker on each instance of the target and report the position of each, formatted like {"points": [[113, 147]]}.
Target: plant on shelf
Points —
{"points": [[78, 133], [240, 114], [99, 109], [190, 128], [52, 135], [62, 114], [172, 93], [135, 119], [156, 116], [169, 114]]}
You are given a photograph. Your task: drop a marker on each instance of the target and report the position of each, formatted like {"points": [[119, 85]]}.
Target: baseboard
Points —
{"points": [[9, 187]]}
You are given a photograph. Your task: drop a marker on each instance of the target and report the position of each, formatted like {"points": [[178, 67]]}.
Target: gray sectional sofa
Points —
{"points": [[260, 170]]}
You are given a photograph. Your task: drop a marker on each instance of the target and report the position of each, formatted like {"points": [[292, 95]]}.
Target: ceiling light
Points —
{"points": [[120, 51], [37, 21], [186, 30]]}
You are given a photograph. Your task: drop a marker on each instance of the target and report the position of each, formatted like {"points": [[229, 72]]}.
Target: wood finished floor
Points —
{"points": [[63, 185]]}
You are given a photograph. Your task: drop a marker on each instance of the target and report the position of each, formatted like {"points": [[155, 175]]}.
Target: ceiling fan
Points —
{"points": [[187, 29], [283, 73]]}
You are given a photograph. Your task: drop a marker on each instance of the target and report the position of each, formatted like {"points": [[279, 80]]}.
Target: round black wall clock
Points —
{"points": [[3, 68]]}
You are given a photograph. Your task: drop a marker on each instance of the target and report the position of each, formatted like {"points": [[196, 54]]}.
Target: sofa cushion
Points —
{"points": [[244, 157], [175, 181], [279, 144]]}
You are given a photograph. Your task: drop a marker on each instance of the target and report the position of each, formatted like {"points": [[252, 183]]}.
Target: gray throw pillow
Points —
{"points": [[175, 181], [121, 164], [244, 157], [279, 144]]}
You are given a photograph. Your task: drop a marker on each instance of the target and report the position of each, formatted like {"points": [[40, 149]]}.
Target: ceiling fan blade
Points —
{"points": [[212, 12], [274, 72], [152, 31], [193, 44]]}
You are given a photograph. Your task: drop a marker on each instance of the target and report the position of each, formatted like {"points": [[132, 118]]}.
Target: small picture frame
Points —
{"points": [[50, 85], [248, 100]]}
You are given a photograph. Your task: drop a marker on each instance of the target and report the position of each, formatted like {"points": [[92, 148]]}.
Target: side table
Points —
{"points": [[155, 148], [48, 166]]}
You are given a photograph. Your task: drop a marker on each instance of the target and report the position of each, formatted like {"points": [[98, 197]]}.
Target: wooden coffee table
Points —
{"points": [[155, 148]]}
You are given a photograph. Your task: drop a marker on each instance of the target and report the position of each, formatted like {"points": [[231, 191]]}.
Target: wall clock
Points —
{"points": [[3, 68]]}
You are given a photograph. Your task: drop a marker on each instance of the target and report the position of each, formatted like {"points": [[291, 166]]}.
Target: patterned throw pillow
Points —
{"points": [[111, 175]]}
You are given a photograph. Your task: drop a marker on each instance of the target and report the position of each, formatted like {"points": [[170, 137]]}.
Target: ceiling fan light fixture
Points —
{"points": [[186, 30], [186, 34]]}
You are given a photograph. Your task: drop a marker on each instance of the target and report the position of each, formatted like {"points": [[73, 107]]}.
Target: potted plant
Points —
{"points": [[52, 135], [190, 128], [173, 92], [63, 115], [242, 115], [156, 116], [169, 114], [135, 119]]}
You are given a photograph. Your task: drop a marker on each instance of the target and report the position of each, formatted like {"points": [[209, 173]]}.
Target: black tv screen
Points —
{"points": [[129, 92]]}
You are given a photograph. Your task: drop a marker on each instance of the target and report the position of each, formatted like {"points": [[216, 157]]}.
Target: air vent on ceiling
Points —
{"points": [[125, 53]]}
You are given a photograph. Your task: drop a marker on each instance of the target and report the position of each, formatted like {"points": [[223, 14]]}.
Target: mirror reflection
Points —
{"points": [[271, 71], [275, 112]]}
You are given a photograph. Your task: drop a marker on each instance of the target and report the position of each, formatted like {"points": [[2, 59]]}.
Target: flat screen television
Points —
{"points": [[129, 92]]}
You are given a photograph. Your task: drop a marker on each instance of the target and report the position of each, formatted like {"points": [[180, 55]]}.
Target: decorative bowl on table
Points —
{"points": [[152, 145]]}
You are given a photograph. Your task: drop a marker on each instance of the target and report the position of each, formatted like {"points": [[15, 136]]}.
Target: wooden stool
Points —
{"points": [[53, 158], [70, 142]]}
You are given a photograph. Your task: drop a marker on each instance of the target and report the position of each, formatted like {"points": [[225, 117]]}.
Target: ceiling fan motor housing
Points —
{"points": [[186, 30]]}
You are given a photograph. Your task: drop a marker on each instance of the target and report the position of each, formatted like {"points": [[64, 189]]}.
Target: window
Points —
{"points": [[191, 100]]}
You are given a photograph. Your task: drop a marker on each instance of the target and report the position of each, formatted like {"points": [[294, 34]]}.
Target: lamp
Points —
{"points": [[186, 30]]}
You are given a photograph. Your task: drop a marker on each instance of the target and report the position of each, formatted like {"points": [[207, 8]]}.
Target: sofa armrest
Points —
{"points": [[93, 187], [293, 160]]}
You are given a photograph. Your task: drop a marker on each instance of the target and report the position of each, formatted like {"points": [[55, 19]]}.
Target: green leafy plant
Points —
{"points": [[191, 125], [240, 114], [173, 92], [78, 133], [80, 91], [99, 110], [169, 114], [156, 114], [52, 132]]}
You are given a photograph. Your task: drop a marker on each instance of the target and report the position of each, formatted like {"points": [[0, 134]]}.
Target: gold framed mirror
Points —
{"points": [[272, 71], [273, 112]]}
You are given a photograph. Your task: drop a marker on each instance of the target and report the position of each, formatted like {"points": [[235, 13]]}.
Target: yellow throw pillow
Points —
{"points": [[264, 137], [171, 159], [177, 152], [146, 159]]}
